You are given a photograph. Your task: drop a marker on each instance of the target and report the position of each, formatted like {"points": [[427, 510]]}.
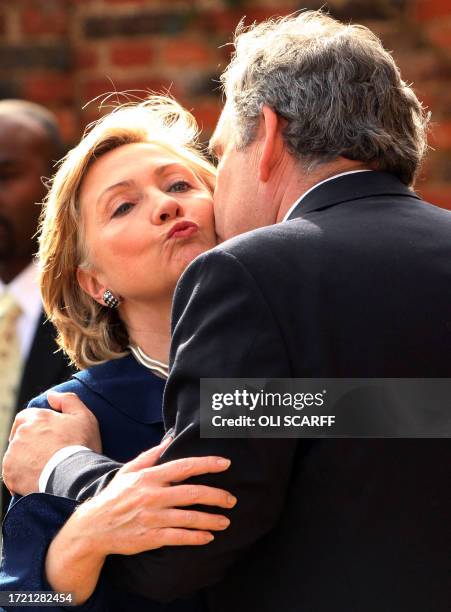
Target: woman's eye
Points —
{"points": [[122, 209], [179, 187]]}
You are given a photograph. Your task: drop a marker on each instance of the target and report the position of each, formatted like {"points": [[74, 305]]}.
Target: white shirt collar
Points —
{"points": [[25, 290], [331, 178]]}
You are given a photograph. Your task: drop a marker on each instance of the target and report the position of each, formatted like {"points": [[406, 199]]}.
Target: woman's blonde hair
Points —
{"points": [[88, 332]]}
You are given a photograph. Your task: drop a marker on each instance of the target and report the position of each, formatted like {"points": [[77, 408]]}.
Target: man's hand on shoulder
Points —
{"points": [[37, 434]]}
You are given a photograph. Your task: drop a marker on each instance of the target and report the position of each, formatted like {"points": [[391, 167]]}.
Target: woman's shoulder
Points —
{"points": [[124, 367], [121, 383], [127, 385], [78, 382], [69, 386]]}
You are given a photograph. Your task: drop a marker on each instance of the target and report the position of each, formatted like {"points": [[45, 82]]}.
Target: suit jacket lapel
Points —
{"points": [[351, 187]]}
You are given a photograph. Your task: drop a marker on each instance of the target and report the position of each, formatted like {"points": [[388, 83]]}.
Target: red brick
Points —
{"points": [[225, 55], [440, 34], [206, 115], [131, 54], [225, 21], [438, 194], [92, 88], [426, 65], [183, 52], [427, 97], [426, 170], [219, 21], [48, 88], [132, 23], [68, 124], [430, 9], [262, 14], [86, 58], [128, 2], [440, 137], [35, 21], [92, 113]]}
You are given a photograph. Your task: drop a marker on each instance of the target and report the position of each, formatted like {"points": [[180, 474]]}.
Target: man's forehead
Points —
{"points": [[19, 123], [221, 135], [20, 137]]}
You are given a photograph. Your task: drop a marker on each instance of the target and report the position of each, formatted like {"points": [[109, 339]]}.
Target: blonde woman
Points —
{"points": [[129, 208]]}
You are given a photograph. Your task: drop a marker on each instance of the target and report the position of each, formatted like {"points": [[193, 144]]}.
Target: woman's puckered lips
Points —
{"points": [[182, 229]]}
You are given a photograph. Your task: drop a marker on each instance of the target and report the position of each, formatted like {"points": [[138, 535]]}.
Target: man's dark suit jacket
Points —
{"points": [[356, 284], [43, 369]]}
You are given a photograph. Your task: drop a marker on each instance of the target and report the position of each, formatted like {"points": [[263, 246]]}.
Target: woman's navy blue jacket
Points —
{"points": [[127, 399]]}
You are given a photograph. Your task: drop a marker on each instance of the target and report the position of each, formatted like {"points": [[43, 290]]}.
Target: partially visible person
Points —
{"points": [[30, 143], [129, 208]]}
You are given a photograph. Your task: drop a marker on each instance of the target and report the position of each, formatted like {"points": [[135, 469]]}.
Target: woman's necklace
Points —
{"points": [[148, 362]]}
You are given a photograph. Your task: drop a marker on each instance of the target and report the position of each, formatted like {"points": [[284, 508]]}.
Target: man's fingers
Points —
{"points": [[14, 428], [192, 519], [55, 400], [146, 459], [188, 495], [68, 403], [5, 473], [22, 417], [182, 537], [181, 469]]}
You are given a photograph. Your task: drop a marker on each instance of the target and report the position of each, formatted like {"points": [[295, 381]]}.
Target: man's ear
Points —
{"points": [[272, 143], [87, 280]]}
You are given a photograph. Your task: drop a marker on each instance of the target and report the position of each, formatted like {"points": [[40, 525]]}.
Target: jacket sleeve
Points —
{"points": [[222, 328], [29, 526]]}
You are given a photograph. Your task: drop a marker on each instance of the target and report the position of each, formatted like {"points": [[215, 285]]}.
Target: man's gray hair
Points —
{"points": [[339, 90]]}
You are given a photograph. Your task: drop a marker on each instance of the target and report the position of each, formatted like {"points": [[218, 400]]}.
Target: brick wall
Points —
{"points": [[65, 53]]}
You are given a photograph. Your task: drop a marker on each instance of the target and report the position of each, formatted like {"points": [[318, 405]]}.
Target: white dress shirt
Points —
{"points": [[331, 178], [66, 452], [25, 290]]}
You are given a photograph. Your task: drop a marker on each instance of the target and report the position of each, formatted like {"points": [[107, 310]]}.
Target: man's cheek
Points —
{"points": [[219, 225]]}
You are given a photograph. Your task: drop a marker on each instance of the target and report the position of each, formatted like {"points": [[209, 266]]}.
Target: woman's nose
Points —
{"points": [[167, 209]]}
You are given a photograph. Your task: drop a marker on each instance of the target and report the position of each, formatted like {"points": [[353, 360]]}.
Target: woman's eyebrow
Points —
{"points": [[112, 188], [162, 169], [128, 183]]}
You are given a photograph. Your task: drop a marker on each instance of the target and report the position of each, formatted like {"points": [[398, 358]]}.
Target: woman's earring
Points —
{"points": [[110, 300]]}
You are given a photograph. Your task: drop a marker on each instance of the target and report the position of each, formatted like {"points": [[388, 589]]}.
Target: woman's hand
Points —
{"points": [[141, 509]]}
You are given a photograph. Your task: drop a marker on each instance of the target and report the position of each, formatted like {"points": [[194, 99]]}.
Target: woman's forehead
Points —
{"points": [[125, 161], [135, 153]]}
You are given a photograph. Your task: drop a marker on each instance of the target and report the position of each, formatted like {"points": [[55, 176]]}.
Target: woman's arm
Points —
{"points": [[29, 526], [71, 566], [139, 510]]}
